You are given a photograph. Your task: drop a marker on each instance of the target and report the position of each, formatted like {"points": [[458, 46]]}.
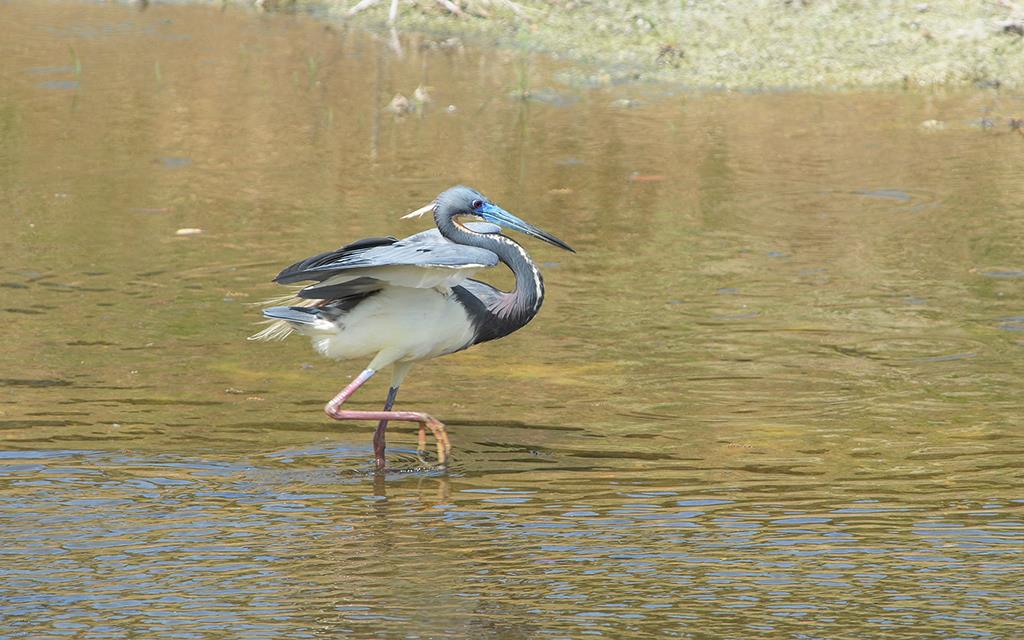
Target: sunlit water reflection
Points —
{"points": [[776, 394]]}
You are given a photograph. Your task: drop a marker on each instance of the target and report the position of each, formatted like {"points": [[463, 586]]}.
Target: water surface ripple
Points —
{"points": [[775, 394]]}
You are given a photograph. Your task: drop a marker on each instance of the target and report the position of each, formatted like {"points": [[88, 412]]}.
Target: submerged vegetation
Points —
{"points": [[735, 45]]}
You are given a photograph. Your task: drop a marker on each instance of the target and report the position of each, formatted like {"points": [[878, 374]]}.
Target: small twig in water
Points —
{"points": [[362, 5], [451, 7]]}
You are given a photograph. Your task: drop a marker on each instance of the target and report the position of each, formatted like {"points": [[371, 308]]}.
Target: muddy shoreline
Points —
{"points": [[735, 46]]}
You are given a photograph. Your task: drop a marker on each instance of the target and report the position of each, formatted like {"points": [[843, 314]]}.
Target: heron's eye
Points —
{"points": [[477, 204]]}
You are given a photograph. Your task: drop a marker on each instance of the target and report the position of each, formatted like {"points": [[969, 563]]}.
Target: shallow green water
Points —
{"points": [[776, 394]]}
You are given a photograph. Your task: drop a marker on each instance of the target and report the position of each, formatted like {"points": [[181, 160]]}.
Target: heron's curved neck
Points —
{"points": [[520, 305]]}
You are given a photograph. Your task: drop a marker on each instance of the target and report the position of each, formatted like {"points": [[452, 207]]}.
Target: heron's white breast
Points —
{"points": [[398, 324]]}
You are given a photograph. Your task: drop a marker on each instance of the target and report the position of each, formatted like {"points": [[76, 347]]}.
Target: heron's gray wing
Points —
{"points": [[318, 267], [404, 263], [417, 254], [308, 268]]}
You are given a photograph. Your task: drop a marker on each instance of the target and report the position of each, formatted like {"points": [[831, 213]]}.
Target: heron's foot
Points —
{"points": [[437, 428], [444, 445], [421, 443]]}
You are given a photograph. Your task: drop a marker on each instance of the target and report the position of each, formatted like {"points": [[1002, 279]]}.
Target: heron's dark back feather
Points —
{"points": [[337, 307], [329, 309], [357, 287]]}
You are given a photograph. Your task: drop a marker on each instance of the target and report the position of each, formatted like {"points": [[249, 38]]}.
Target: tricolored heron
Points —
{"points": [[402, 301]]}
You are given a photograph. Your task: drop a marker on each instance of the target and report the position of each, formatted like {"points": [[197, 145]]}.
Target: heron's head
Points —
{"points": [[463, 201]]}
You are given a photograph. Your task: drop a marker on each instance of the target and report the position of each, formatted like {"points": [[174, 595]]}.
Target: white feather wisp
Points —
{"points": [[279, 329], [419, 212]]}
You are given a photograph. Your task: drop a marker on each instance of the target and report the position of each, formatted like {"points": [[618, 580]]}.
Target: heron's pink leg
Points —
{"points": [[334, 410]]}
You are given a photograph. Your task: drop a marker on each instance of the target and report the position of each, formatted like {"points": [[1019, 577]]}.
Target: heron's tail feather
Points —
{"points": [[296, 314], [279, 328]]}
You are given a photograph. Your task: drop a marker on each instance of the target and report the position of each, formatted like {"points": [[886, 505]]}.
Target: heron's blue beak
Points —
{"points": [[494, 214]]}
